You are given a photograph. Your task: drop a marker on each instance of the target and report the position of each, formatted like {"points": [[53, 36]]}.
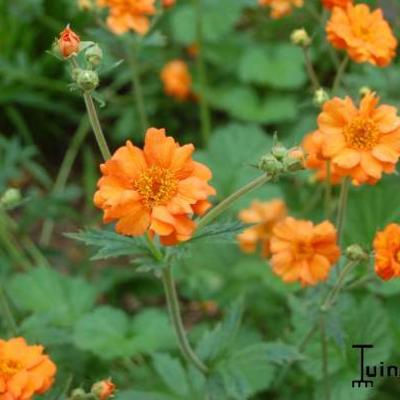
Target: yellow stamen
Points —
{"points": [[361, 134], [156, 185], [9, 367]]}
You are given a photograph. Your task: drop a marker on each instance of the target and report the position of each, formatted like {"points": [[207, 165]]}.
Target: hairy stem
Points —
{"points": [[227, 202], [325, 359], [310, 69], [339, 74], [341, 214]]}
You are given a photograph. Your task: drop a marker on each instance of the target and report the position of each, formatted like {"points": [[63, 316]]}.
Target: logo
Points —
{"points": [[367, 371]]}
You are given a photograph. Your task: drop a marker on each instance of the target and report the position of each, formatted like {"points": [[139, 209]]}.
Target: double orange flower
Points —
{"points": [[156, 190]]}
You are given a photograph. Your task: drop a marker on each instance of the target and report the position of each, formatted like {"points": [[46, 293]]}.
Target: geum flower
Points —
{"points": [[177, 80], [264, 215], [329, 4], [365, 35], [24, 370], [157, 189], [303, 252], [281, 8], [315, 160], [387, 252], [362, 143], [68, 42], [128, 15]]}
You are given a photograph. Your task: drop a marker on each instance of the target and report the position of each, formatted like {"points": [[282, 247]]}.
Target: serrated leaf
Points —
{"points": [[110, 333], [110, 244], [63, 299], [172, 373], [215, 343], [281, 353], [220, 232]]}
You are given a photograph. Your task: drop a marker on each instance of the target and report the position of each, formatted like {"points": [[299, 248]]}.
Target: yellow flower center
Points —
{"points": [[9, 368], [156, 186], [361, 134]]}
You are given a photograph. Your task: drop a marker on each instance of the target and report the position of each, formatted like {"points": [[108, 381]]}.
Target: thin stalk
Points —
{"points": [[310, 69], [63, 174], [94, 121], [205, 116], [227, 202], [138, 90], [332, 295], [328, 190], [339, 74], [12, 246], [341, 214], [325, 359], [175, 315], [7, 314]]}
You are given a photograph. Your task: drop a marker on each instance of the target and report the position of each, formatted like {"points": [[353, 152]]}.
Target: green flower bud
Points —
{"points": [[279, 151], [75, 73], [78, 394], [10, 198], [87, 80], [356, 253], [320, 97], [269, 164], [300, 37], [94, 55]]}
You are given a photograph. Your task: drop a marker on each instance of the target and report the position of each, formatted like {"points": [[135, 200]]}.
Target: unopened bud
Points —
{"points": [[78, 394], [356, 253], [68, 43], [103, 390], [300, 37], [168, 3], [10, 198], [294, 160], [279, 151], [269, 164], [364, 91], [320, 97], [94, 55], [87, 80]]}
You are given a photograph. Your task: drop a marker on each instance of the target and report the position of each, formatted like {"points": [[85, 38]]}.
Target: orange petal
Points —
{"points": [[347, 158]]}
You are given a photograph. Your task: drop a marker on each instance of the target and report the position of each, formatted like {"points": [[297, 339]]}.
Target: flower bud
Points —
{"points": [[94, 55], [10, 198], [279, 151], [320, 97], [78, 394], [356, 253], [87, 80], [364, 91], [300, 37], [103, 390], [68, 43], [269, 164], [168, 3], [85, 4]]}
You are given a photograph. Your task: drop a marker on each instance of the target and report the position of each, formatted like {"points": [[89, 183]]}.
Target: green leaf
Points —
{"points": [[141, 395], [220, 232], [219, 18], [281, 353], [110, 333], [172, 373], [110, 244], [280, 66], [62, 298], [215, 343]]}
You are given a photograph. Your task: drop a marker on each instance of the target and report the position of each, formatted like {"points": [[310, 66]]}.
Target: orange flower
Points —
{"points": [[361, 143], [312, 145], [177, 80], [158, 188], [302, 251], [168, 3], [387, 252], [128, 15], [280, 8], [265, 215], [365, 35], [336, 3], [68, 43], [24, 370], [103, 390]]}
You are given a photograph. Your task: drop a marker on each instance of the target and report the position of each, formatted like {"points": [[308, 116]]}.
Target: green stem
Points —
{"points": [[332, 295], [325, 359], [6, 311], [174, 312], [341, 215], [227, 202], [11, 245], [339, 74], [310, 69], [137, 89], [328, 190], [205, 116], [94, 121], [63, 174]]}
